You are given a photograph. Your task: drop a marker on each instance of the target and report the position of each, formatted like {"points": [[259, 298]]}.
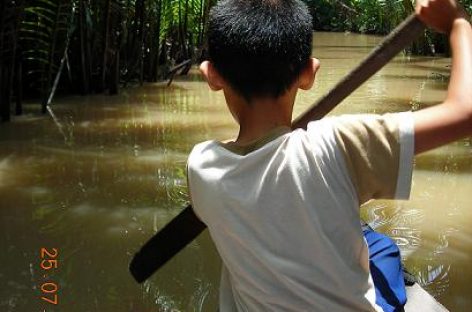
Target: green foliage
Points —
{"points": [[365, 16], [374, 17], [137, 40], [102, 44], [105, 44]]}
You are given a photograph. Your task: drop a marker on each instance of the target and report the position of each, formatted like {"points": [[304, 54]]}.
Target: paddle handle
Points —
{"points": [[186, 226], [404, 34]]}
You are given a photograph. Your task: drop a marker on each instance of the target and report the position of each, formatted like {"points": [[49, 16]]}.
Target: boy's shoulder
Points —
{"points": [[337, 129], [201, 148], [367, 127]]}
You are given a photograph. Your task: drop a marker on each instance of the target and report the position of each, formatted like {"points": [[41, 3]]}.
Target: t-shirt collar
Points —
{"points": [[256, 144]]}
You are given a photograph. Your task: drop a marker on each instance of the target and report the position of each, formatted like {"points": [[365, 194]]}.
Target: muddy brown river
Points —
{"points": [[80, 192]]}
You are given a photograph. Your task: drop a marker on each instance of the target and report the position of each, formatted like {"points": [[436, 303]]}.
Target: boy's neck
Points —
{"points": [[262, 116]]}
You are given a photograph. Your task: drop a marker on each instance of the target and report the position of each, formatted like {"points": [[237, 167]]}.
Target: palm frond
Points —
{"points": [[44, 32]]}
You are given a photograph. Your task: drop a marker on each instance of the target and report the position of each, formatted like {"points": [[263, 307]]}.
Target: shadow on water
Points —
{"points": [[434, 69], [438, 77], [412, 59]]}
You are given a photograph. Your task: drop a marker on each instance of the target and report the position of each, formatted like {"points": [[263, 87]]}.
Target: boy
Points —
{"points": [[282, 206]]}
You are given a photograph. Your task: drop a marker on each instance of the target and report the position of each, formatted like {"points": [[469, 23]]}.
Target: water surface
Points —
{"points": [[98, 180]]}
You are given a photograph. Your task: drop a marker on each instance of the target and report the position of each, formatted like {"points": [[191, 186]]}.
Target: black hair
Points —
{"points": [[260, 47]]}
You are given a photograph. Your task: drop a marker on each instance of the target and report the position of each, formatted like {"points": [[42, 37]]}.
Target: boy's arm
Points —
{"points": [[451, 120]]}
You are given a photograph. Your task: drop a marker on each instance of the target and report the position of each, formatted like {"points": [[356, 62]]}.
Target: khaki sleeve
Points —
{"points": [[374, 148]]}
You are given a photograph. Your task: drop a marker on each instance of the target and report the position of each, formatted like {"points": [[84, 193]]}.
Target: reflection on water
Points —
{"points": [[433, 228], [98, 180]]}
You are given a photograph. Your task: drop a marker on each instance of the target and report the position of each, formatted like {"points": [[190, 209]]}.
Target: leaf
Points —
{"points": [[37, 59], [43, 33], [39, 13]]}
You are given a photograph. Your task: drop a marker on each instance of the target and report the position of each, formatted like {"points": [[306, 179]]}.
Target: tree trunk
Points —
{"points": [[8, 42], [205, 20], [180, 36], [5, 94], [201, 21], [106, 44], [186, 40], [154, 45], [115, 74], [19, 86], [17, 79], [4, 112], [141, 4], [85, 88]]}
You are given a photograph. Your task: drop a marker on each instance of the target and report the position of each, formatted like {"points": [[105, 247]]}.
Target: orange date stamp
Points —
{"points": [[48, 264]]}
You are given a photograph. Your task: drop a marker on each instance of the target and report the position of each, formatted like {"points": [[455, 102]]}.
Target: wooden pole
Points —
{"points": [[185, 227], [397, 40]]}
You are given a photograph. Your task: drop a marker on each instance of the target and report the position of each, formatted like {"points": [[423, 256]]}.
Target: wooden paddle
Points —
{"points": [[186, 226]]}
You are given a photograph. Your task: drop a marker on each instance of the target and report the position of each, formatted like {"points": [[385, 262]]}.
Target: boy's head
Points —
{"points": [[260, 47]]}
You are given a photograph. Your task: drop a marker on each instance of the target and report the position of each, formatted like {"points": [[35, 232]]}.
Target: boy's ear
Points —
{"points": [[307, 76], [213, 78]]}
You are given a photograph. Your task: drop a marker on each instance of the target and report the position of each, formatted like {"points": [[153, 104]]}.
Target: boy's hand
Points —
{"points": [[451, 120], [439, 14]]}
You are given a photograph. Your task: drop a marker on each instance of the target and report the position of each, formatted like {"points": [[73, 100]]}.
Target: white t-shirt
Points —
{"points": [[284, 216]]}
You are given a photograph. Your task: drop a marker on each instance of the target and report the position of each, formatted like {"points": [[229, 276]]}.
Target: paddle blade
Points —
{"points": [[165, 244]]}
